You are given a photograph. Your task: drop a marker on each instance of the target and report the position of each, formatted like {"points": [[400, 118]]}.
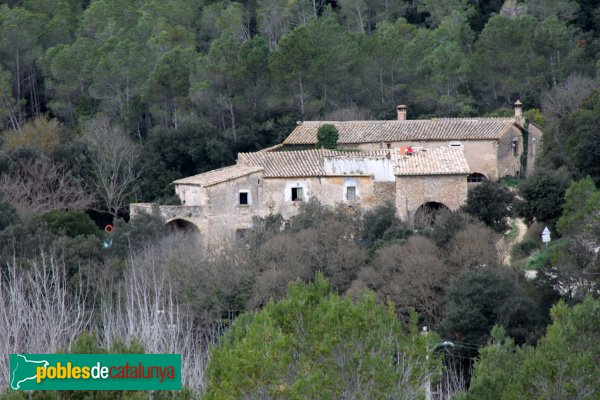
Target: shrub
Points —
{"points": [[8, 214], [71, 223], [524, 248], [381, 225], [543, 195], [490, 202], [479, 300], [327, 136]]}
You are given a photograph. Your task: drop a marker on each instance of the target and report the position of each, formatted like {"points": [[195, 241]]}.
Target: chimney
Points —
{"points": [[401, 112], [518, 111]]}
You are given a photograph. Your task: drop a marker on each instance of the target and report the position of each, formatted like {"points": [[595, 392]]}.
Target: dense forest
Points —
{"points": [[106, 102], [181, 86]]}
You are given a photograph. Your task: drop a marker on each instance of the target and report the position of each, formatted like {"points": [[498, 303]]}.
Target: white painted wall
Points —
{"points": [[380, 168]]}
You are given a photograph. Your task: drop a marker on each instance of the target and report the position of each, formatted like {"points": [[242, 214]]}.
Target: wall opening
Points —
{"points": [[183, 227], [427, 213], [297, 194], [244, 199], [351, 193], [476, 177]]}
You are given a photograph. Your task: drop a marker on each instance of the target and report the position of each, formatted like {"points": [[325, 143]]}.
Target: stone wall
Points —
{"points": [[509, 160], [384, 192], [169, 213], [414, 191], [224, 216], [329, 190], [534, 146]]}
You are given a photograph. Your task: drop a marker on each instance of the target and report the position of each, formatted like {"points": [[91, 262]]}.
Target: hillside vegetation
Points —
{"points": [[106, 102]]}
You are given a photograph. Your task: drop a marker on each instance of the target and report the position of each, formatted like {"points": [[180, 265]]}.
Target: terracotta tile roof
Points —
{"points": [[218, 175], [272, 148], [397, 131], [445, 160], [298, 163]]}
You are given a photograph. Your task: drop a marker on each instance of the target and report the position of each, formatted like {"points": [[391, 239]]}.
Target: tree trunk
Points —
{"points": [[11, 114], [35, 102], [360, 20], [301, 95], [18, 87], [381, 81], [232, 117]]}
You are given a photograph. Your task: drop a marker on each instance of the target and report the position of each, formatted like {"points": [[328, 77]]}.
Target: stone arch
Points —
{"points": [[183, 226], [427, 212], [476, 177]]}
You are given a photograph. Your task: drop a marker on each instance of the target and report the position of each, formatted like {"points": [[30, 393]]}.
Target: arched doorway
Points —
{"points": [[428, 212], [183, 227], [476, 177]]}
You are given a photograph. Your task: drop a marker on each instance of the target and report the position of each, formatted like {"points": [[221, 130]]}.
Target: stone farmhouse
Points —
{"points": [[494, 147], [415, 164]]}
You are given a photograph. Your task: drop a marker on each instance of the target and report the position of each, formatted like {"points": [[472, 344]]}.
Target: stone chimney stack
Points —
{"points": [[401, 112], [518, 111]]}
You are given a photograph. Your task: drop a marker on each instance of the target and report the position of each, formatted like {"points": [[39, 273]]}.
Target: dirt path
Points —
{"points": [[521, 230]]}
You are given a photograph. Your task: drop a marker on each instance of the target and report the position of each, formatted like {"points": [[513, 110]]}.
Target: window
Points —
{"points": [[244, 199], [351, 193], [297, 194], [476, 178], [388, 145], [515, 146]]}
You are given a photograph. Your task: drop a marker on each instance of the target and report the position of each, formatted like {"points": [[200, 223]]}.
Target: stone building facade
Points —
{"points": [[220, 204], [373, 167], [494, 147]]}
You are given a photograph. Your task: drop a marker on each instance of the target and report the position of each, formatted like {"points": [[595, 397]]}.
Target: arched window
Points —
{"points": [[476, 177]]}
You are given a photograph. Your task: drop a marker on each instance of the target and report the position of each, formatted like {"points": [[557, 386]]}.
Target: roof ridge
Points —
{"points": [[404, 121]]}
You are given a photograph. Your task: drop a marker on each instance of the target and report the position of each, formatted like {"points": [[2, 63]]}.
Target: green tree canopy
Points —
{"points": [[71, 223], [543, 195], [316, 344], [491, 202], [563, 365], [478, 300], [327, 136], [581, 207]]}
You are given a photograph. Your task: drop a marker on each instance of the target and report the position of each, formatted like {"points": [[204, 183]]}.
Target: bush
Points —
{"points": [[42, 134], [327, 136], [71, 223], [300, 255], [8, 214], [472, 248], [491, 202], [411, 275], [447, 225], [141, 231], [381, 225], [543, 195], [524, 249], [479, 300]]}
